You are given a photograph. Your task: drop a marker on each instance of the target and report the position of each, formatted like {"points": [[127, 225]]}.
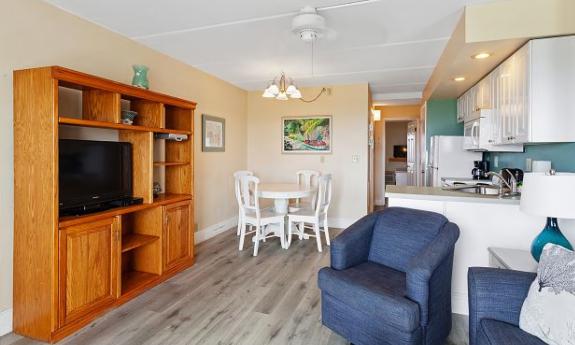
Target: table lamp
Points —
{"points": [[550, 195]]}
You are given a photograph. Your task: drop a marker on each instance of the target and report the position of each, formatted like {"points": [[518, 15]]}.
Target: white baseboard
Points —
{"points": [[5, 321], [340, 223], [459, 303], [216, 229]]}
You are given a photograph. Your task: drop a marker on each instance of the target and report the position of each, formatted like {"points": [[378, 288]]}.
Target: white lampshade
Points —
{"points": [[549, 195], [296, 94], [268, 94], [282, 96], [291, 89], [273, 89]]}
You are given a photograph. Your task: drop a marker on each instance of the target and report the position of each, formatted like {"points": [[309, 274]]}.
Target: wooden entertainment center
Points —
{"points": [[69, 270]]}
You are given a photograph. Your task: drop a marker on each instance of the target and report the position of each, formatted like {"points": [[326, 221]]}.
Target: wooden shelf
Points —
{"points": [[169, 164], [133, 241], [110, 125], [396, 159], [132, 280], [163, 199]]}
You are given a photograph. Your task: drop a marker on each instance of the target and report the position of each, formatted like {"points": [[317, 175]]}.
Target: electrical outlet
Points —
{"points": [[355, 158]]}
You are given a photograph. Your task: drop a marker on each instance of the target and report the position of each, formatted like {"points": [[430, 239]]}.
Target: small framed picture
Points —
{"points": [[306, 134], [213, 134]]}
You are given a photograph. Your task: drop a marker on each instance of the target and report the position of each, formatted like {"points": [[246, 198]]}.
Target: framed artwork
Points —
{"points": [[306, 134], [213, 134]]}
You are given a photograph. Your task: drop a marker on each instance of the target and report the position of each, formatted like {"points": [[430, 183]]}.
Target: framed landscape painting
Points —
{"points": [[306, 134], [213, 134]]}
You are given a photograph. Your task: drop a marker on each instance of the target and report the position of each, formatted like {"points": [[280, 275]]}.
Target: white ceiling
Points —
{"points": [[391, 44]]}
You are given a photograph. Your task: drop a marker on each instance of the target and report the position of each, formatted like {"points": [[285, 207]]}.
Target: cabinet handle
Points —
{"points": [[490, 141]]}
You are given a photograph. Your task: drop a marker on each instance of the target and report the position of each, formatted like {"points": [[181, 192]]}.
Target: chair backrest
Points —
{"points": [[308, 178], [324, 194], [237, 175], [400, 234], [248, 190]]}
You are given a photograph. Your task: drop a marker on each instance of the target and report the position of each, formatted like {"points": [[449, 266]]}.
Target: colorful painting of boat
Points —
{"points": [[307, 134]]}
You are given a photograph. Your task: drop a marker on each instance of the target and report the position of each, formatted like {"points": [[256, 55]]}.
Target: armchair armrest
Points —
{"points": [[351, 247], [428, 276], [496, 294]]}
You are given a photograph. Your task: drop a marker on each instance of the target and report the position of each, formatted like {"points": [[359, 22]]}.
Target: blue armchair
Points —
{"points": [[390, 279], [495, 300]]}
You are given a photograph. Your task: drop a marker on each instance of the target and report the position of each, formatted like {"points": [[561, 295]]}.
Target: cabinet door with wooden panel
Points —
{"points": [[177, 237], [88, 261]]}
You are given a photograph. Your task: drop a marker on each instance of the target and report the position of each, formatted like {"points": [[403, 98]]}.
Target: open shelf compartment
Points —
{"points": [[141, 259]]}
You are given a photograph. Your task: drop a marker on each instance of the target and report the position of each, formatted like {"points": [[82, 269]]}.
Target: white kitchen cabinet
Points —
{"points": [[535, 88], [461, 109], [483, 94]]}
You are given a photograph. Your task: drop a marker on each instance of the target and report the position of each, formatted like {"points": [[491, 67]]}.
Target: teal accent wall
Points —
{"points": [[442, 118], [562, 156]]}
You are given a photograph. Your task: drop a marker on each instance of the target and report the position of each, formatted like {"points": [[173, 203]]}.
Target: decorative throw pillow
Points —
{"points": [[549, 309]]}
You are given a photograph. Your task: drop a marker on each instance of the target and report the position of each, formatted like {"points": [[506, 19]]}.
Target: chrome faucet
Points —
{"points": [[512, 187]]}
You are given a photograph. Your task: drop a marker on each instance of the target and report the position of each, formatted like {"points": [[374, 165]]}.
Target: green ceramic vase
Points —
{"points": [[141, 76], [550, 234]]}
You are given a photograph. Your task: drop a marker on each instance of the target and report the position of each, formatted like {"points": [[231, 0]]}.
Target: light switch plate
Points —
{"points": [[355, 158]]}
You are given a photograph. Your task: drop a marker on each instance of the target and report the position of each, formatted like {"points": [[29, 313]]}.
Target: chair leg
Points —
{"points": [[242, 234], [257, 244], [301, 230], [239, 224], [326, 230], [290, 230], [317, 236], [283, 235]]}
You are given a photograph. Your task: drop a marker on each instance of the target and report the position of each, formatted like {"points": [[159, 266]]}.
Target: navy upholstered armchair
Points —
{"points": [[495, 300], [390, 279]]}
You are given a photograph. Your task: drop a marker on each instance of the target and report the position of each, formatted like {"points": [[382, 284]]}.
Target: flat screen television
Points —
{"points": [[93, 173], [399, 151]]}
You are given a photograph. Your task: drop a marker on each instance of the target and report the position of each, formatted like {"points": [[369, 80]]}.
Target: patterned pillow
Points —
{"points": [[549, 309]]}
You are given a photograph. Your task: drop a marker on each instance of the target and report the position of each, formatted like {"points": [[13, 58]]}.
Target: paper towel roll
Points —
{"points": [[541, 166]]}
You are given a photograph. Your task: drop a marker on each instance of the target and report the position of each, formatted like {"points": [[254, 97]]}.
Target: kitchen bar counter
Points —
{"points": [[438, 194], [484, 221]]}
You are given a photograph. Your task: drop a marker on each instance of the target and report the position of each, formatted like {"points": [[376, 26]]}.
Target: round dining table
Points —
{"points": [[282, 192]]}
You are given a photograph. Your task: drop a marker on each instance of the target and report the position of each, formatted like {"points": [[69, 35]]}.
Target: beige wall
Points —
{"points": [[349, 107], [34, 34], [388, 113]]}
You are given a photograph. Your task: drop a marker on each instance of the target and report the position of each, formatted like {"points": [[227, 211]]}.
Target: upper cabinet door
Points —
{"points": [[177, 238], [483, 94], [89, 261], [521, 95]]}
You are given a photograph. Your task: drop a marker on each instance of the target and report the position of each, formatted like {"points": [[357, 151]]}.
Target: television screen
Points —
{"points": [[93, 172], [399, 151]]}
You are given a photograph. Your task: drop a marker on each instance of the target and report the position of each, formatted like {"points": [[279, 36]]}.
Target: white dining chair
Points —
{"points": [[252, 214], [237, 176], [307, 179], [313, 218]]}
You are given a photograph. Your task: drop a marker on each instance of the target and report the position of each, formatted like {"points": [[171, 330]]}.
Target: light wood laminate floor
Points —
{"points": [[228, 297]]}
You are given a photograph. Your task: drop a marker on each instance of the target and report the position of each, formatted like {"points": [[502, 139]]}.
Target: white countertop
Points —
{"points": [[436, 193]]}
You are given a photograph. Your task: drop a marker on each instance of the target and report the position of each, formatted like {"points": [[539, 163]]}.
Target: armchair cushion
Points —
{"points": [[373, 290], [493, 332], [400, 234]]}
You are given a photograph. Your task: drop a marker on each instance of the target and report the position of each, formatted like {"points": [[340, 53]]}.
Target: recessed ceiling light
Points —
{"points": [[481, 56], [459, 78]]}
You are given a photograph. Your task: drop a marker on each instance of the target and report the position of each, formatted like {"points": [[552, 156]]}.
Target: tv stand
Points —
{"points": [[100, 206], [117, 250]]}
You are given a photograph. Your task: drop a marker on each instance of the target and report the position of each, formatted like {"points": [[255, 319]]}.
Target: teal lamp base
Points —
{"points": [[550, 234]]}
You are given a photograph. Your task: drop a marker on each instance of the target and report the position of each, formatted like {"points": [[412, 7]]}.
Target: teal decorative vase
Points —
{"points": [[140, 78], [550, 234]]}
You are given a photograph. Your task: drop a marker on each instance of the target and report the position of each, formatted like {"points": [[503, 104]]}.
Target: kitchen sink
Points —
{"points": [[477, 189]]}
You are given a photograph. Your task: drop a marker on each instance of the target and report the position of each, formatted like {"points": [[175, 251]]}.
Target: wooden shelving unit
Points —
{"points": [[115, 254], [133, 241]]}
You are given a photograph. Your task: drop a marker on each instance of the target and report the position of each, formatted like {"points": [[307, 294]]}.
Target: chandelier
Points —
{"points": [[282, 90]]}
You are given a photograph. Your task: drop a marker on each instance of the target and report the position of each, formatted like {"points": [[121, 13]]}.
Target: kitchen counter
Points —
{"points": [[438, 194]]}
